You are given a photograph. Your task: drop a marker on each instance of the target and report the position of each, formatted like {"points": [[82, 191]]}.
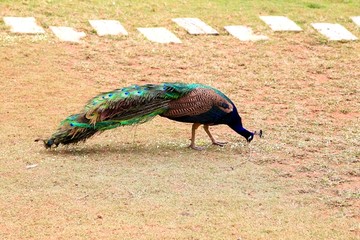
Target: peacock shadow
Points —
{"points": [[140, 150], [113, 149]]}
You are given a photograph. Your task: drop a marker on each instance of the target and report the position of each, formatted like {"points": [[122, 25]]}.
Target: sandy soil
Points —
{"points": [[301, 181]]}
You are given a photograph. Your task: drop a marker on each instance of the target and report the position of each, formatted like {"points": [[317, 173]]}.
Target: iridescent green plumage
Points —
{"points": [[121, 107]]}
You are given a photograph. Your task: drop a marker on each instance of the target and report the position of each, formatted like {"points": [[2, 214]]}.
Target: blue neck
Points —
{"points": [[236, 124], [243, 132]]}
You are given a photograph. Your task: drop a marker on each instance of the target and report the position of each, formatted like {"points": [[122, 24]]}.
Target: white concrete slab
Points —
{"points": [[108, 27], [159, 35], [23, 25], [67, 34], [356, 20], [280, 23], [334, 31], [244, 33], [194, 26]]}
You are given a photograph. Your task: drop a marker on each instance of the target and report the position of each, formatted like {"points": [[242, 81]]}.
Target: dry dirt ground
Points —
{"points": [[301, 181]]}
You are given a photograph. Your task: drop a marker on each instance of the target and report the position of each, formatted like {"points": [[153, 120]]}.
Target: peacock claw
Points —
{"points": [[221, 144]]}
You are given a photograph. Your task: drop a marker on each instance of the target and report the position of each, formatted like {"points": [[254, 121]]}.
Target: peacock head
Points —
{"points": [[251, 137]]}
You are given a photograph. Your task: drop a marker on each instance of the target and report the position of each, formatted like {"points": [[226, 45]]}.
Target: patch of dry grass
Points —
{"points": [[301, 181]]}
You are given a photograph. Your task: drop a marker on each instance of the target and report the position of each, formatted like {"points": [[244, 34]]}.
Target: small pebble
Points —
{"points": [[31, 166]]}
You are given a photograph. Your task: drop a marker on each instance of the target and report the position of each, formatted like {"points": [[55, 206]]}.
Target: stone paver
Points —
{"points": [[67, 34], [194, 26], [280, 23], [244, 33], [334, 31], [356, 20], [23, 25], [108, 27], [159, 35]]}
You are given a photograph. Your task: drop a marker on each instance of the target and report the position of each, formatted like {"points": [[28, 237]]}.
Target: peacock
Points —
{"points": [[191, 103]]}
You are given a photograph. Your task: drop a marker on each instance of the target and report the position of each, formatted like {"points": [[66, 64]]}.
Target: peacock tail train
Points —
{"points": [[121, 107]]}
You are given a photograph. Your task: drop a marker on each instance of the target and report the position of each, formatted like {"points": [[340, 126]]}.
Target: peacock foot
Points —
{"points": [[196, 147], [221, 144]]}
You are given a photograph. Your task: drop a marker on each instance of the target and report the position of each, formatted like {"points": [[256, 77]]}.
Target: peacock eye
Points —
{"points": [[224, 105]]}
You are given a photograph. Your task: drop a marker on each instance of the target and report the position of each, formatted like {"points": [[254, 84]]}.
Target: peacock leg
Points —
{"points": [[193, 130], [206, 128]]}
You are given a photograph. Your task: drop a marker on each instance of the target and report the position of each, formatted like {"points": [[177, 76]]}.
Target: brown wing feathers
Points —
{"points": [[198, 101]]}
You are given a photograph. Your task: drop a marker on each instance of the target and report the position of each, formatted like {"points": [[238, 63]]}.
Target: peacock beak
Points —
{"points": [[260, 133], [251, 137]]}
